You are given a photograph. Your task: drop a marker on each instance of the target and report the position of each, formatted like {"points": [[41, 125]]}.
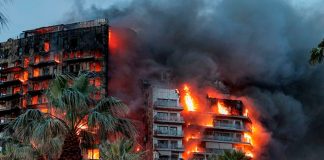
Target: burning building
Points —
{"points": [[28, 63], [178, 127], [218, 126]]}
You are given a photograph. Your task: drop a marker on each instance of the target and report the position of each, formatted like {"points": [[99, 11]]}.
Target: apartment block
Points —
{"points": [[164, 123]]}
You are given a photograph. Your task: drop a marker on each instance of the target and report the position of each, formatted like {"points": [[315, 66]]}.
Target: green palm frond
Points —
{"points": [[47, 129], [112, 106], [233, 155], [18, 151], [122, 149], [106, 122], [317, 54], [87, 139]]}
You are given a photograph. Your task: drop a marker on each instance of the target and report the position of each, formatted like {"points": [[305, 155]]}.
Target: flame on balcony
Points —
{"points": [[189, 101], [222, 109], [199, 118]]}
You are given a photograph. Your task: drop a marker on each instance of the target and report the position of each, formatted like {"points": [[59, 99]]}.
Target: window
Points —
{"points": [[93, 153], [46, 46], [36, 86], [174, 144], [97, 82], [16, 76], [166, 102], [173, 116], [163, 144], [26, 62], [16, 90], [162, 115], [35, 100], [36, 59], [173, 130], [162, 129]]}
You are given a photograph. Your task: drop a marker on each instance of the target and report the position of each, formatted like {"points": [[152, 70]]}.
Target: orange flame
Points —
{"points": [[222, 109], [189, 102]]}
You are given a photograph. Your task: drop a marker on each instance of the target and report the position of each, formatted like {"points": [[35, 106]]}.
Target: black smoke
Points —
{"points": [[259, 49]]}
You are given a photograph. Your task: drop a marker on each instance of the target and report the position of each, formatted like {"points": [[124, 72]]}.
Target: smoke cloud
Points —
{"points": [[258, 49]]}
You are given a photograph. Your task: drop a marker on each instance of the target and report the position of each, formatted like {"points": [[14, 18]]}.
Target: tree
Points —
{"points": [[233, 155], [74, 119], [122, 149], [3, 19], [317, 54]]}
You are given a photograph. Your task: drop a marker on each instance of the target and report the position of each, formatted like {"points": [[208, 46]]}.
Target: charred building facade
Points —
{"points": [[27, 64]]}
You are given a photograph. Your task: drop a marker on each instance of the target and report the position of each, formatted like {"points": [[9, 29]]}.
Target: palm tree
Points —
{"points": [[234, 155], [75, 119], [317, 54], [3, 19], [122, 149]]}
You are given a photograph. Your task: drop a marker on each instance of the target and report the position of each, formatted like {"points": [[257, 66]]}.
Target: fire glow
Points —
{"points": [[199, 117], [189, 102]]}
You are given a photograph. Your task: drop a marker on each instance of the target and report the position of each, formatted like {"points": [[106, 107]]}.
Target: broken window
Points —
{"points": [[36, 72], [46, 46]]}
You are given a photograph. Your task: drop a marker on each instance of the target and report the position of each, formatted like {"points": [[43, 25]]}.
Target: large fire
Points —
{"points": [[198, 118], [222, 109], [189, 102]]}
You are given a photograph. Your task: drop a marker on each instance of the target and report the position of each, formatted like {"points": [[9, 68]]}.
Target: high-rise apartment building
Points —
{"points": [[27, 64]]}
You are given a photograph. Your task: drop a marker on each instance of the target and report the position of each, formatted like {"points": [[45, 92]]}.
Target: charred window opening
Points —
{"points": [[46, 46], [99, 38], [73, 43]]}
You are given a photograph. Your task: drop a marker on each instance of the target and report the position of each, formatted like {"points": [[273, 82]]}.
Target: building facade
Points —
{"points": [[231, 129], [164, 123], [27, 64]]}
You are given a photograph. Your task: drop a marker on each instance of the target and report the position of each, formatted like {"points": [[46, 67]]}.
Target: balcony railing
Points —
{"points": [[169, 119], [168, 146], [227, 139], [168, 133], [231, 126], [167, 105]]}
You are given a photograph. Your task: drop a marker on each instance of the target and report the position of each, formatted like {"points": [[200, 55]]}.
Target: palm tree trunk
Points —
{"points": [[71, 148]]}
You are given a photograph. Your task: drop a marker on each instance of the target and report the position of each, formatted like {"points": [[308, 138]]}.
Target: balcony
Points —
{"points": [[10, 82], [42, 77], [173, 134], [226, 139], [79, 59], [160, 119], [11, 69], [168, 147], [44, 63], [7, 97], [167, 105], [232, 127]]}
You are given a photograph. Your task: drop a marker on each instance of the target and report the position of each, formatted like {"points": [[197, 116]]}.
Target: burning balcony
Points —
{"points": [[228, 137], [41, 61], [9, 107], [43, 73], [11, 69], [234, 125], [78, 56]]}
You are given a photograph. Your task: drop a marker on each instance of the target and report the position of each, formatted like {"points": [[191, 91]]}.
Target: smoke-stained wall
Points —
{"points": [[258, 49]]}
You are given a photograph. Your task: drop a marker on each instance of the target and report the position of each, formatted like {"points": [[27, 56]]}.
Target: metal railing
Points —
{"points": [[226, 139], [169, 119], [168, 133], [168, 146]]}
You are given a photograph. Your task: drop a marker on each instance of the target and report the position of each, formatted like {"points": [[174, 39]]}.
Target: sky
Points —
{"points": [[30, 14]]}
